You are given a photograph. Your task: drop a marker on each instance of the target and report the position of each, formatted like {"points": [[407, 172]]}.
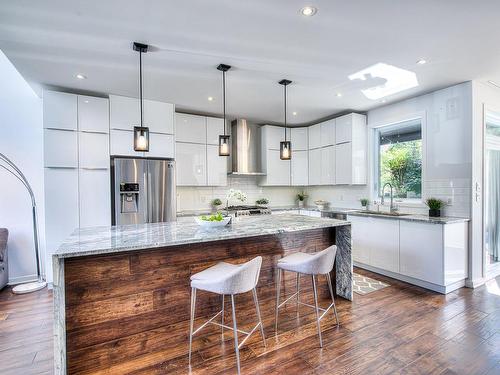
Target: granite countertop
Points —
{"points": [[105, 240], [341, 210], [410, 217]]}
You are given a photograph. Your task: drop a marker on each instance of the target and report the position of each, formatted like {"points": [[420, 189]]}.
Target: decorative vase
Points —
{"points": [[434, 213], [301, 204], [365, 207]]}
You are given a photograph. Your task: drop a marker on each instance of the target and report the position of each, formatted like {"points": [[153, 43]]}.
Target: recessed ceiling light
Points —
{"points": [[294, 113], [421, 61], [308, 11], [382, 80], [210, 98], [383, 100], [81, 76], [339, 94], [86, 101]]}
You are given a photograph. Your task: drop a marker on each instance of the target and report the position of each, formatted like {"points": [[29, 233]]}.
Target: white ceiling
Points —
{"points": [[51, 41]]}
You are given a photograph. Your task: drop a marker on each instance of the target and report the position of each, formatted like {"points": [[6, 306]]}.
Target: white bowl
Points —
{"points": [[213, 224]]}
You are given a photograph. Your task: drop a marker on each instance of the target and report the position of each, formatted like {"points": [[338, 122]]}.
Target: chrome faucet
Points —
{"points": [[392, 207]]}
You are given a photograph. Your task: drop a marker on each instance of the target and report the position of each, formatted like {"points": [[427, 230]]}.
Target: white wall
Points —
{"points": [[447, 151], [484, 97], [21, 140], [198, 198]]}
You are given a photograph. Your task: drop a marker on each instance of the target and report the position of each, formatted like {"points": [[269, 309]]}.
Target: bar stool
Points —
{"points": [[320, 263], [227, 279]]}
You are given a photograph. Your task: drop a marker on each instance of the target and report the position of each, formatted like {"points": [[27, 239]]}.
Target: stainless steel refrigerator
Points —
{"points": [[143, 190]]}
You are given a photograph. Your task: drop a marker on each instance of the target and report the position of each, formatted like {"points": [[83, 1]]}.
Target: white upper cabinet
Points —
{"points": [[59, 110], [327, 133], [215, 127], [343, 163], [122, 143], [300, 166], [327, 165], [299, 139], [94, 150], [161, 146], [277, 170], [272, 136], [315, 167], [60, 148], [343, 129], [191, 160], [314, 136], [190, 128], [216, 167], [159, 116], [93, 114], [124, 112]]}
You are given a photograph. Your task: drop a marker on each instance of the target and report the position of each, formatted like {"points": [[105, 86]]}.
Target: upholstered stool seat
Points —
{"points": [[320, 263], [227, 279]]}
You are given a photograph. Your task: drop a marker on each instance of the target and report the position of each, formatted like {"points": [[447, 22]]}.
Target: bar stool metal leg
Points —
{"points": [[317, 311], [278, 286], [256, 301], [333, 298], [236, 349], [191, 325], [222, 317], [298, 291]]}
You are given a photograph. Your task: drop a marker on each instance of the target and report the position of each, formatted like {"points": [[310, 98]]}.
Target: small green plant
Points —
{"points": [[301, 196], [434, 203], [216, 202], [364, 202], [262, 201]]}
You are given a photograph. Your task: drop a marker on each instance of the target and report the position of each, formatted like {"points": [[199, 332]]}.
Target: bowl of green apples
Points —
{"points": [[213, 221]]}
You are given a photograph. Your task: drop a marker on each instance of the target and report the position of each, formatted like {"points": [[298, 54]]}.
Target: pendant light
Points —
{"points": [[285, 146], [141, 133], [224, 139]]}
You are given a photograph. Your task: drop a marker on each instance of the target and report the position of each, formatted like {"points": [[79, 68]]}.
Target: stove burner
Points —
{"points": [[248, 210]]}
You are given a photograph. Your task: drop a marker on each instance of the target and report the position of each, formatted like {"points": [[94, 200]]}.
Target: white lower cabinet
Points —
{"points": [[430, 255], [421, 250], [216, 167], [95, 193], [299, 168], [191, 164]]}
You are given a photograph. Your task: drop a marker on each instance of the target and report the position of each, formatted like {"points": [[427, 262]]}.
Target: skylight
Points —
{"points": [[386, 80]]}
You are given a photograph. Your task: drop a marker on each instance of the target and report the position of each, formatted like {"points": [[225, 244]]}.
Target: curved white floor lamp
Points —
{"points": [[10, 167]]}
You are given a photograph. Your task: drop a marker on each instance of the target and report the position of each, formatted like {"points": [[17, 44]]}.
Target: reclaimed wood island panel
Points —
{"points": [[123, 292]]}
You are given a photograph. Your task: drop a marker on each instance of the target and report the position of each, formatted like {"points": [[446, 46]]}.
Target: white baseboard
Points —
{"points": [[22, 279], [443, 289]]}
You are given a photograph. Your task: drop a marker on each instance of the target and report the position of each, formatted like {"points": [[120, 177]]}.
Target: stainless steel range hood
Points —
{"points": [[246, 149]]}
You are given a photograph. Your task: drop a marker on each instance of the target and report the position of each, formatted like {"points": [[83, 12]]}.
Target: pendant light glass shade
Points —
{"points": [[141, 133], [223, 145], [224, 138], [285, 146], [285, 150], [141, 138]]}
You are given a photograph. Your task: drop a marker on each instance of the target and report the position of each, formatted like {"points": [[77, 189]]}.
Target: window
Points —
{"points": [[399, 159]]}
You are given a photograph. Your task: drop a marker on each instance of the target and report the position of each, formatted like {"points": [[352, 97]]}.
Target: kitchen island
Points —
{"points": [[123, 292]]}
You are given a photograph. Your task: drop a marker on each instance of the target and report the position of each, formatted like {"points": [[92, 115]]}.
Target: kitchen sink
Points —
{"points": [[381, 213]]}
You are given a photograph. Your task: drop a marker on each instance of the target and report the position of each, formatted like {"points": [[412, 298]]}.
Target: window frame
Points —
{"points": [[375, 156]]}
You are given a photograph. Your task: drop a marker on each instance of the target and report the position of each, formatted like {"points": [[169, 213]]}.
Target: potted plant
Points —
{"points": [[216, 203], [301, 197], [364, 203], [434, 205], [263, 202]]}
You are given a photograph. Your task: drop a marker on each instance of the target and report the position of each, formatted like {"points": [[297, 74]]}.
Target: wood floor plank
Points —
{"points": [[401, 329]]}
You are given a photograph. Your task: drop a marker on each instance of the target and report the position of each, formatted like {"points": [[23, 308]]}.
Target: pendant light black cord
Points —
{"points": [[140, 80], [224, 98], [285, 110]]}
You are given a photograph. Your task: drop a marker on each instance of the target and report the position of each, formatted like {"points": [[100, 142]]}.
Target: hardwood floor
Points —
{"points": [[401, 329]]}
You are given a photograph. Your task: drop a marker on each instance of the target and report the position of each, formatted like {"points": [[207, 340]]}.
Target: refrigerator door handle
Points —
{"points": [[149, 192]]}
